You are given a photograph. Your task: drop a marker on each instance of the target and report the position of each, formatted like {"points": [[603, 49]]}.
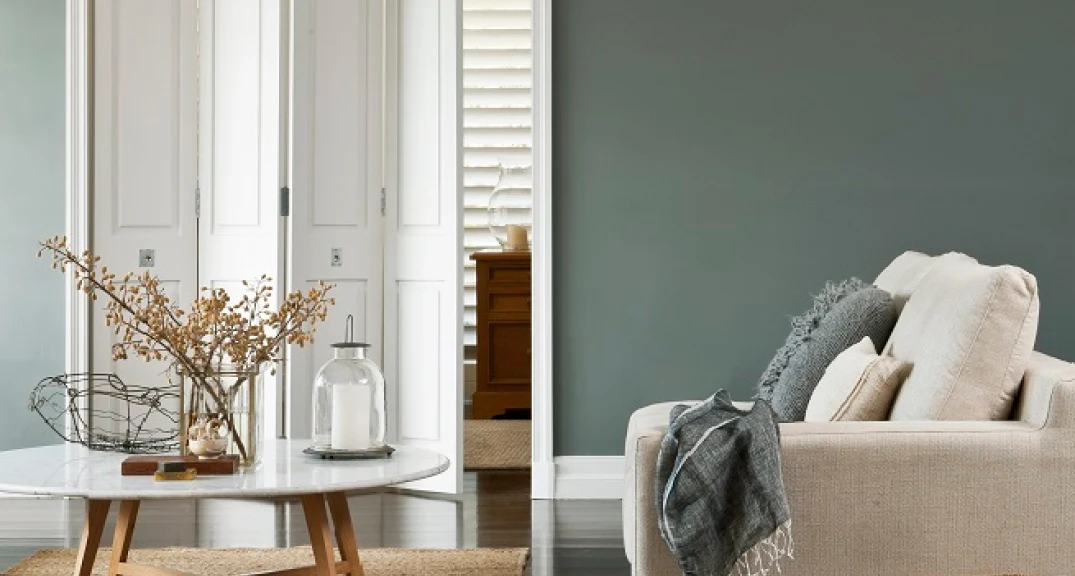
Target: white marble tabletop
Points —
{"points": [[73, 470]]}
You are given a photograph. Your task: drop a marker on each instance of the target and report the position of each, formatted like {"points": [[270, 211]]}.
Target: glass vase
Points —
{"points": [[511, 208], [349, 410], [226, 404]]}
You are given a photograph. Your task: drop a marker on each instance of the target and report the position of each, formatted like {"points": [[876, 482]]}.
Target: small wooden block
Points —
{"points": [[147, 465]]}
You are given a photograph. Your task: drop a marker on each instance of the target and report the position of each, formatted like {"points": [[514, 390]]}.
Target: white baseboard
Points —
{"points": [[589, 477], [39, 509]]}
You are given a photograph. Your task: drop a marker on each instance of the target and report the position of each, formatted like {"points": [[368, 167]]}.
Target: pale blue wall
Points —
{"points": [[716, 161], [31, 207]]}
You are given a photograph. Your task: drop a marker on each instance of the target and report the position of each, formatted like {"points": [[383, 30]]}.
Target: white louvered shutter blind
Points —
{"points": [[497, 97]]}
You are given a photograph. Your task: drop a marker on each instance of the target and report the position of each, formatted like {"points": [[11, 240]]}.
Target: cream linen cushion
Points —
{"points": [[858, 385], [905, 273], [968, 332]]}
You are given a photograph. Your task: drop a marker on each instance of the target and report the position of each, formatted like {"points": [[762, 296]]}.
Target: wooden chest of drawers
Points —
{"points": [[503, 350]]}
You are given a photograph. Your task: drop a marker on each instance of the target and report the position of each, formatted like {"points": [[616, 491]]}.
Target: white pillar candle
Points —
{"points": [[350, 416], [516, 237]]}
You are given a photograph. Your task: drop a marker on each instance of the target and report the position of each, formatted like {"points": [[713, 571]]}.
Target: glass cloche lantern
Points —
{"points": [[349, 411], [510, 207]]}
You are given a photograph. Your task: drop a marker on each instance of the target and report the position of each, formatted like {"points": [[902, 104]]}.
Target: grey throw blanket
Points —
{"points": [[720, 493]]}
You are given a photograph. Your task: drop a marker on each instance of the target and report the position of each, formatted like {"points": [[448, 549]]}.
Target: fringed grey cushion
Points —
{"points": [[842, 315]]}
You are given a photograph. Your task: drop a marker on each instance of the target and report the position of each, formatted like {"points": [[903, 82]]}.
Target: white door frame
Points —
{"points": [[543, 471], [78, 164], [79, 167]]}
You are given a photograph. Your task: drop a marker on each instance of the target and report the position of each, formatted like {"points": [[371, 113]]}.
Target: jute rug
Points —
{"points": [[375, 561], [496, 444]]}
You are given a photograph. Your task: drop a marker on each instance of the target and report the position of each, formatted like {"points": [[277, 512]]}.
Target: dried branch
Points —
{"points": [[214, 332]]}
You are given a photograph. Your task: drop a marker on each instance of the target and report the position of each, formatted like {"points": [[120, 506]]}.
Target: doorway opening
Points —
{"points": [[497, 164]]}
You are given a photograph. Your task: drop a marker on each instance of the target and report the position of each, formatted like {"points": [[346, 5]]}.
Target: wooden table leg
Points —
{"points": [[345, 532], [96, 514], [121, 542], [313, 507]]}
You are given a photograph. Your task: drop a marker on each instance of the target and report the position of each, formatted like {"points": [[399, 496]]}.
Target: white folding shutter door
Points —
{"points": [[145, 158], [239, 156], [145, 168], [336, 223], [423, 283], [497, 121], [240, 150]]}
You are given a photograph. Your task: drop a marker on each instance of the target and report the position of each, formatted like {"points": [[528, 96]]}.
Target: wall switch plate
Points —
{"points": [[147, 257], [337, 257]]}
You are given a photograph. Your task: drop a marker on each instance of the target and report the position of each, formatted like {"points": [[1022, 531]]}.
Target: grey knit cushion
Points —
{"points": [[842, 315]]}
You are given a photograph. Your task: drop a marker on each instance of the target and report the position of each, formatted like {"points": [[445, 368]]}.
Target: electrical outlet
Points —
{"points": [[337, 257], [147, 257]]}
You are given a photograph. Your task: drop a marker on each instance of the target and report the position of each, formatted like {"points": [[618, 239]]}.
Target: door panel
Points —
{"points": [[423, 281], [336, 224], [145, 158], [145, 166], [240, 151]]}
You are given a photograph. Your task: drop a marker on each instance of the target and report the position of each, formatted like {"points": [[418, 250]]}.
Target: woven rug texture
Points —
{"points": [[375, 561], [496, 444]]}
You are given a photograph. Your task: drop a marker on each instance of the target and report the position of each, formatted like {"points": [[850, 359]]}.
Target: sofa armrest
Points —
{"points": [[646, 426], [1047, 396]]}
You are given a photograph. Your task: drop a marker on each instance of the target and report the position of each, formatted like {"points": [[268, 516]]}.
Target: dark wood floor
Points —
{"points": [[566, 537]]}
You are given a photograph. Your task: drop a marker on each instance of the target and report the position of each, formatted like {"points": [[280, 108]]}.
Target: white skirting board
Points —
{"points": [[589, 477], [17, 509]]}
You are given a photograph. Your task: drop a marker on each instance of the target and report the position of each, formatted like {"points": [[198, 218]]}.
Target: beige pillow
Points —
{"points": [[969, 331], [858, 385]]}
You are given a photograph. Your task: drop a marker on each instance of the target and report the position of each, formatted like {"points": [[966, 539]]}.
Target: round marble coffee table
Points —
{"points": [[74, 471]]}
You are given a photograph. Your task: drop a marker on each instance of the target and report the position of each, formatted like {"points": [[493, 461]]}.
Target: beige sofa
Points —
{"points": [[906, 497]]}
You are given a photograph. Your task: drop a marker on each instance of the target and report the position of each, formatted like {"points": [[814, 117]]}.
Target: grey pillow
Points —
{"points": [[842, 315]]}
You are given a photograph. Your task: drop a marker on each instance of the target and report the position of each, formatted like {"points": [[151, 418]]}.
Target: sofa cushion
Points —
{"points": [[858, 385], [842, 315], [905, 273], [968, 331], [801, 327]]}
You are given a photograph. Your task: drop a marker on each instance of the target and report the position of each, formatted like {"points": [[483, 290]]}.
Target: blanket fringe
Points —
{"points": [[764, 557]]}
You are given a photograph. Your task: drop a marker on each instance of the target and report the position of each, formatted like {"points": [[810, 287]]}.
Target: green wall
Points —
{"points": [[715, 162], [32, 194]]}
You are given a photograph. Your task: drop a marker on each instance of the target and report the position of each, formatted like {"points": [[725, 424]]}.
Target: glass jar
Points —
{"points": [[511, 207], [348, 403], [220, 413]]}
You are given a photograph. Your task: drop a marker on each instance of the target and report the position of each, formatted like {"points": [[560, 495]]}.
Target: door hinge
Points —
{"points": [[285, 201], [384, 202], [198, 202]]}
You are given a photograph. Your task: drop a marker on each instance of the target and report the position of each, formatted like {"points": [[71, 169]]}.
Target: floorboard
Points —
{"points": [[566, 537]]}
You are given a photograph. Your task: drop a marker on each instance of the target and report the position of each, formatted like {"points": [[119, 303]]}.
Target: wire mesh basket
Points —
{"points": [[102, 412]]}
